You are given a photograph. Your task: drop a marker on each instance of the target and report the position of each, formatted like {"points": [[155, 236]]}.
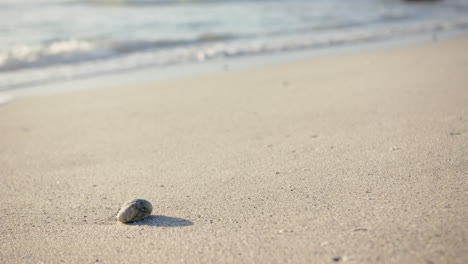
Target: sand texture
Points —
{"points": [[359, 158]]}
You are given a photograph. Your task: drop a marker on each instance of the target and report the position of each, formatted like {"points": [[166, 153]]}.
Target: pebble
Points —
{"points": [[359, 229], [134, 210], [336, 259]]}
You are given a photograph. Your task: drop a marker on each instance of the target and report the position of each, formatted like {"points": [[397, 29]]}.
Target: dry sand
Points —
{"points": [[359, 158]]}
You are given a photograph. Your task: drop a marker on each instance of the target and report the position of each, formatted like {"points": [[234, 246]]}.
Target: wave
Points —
{"points": [[24, 56], [75, 51]]}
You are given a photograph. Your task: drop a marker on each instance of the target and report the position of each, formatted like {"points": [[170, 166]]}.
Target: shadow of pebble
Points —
{"points": [[162, 221]]}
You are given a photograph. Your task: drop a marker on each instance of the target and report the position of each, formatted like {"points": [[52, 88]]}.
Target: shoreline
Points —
{"points": [[355, 158], [171, 72]]}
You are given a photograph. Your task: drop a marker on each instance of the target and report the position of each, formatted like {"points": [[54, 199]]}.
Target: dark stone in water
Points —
{"points": [[134, 210]]}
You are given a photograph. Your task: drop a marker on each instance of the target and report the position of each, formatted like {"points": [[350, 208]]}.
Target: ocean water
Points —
{"points": [[44, 41]]}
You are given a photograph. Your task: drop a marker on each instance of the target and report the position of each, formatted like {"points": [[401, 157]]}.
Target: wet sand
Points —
{"points": [[359, 158]]}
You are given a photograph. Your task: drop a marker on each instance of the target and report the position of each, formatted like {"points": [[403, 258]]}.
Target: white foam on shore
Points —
{"points": [[6, 98]]}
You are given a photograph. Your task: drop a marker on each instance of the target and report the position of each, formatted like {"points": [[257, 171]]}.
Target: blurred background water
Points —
{"points": [[50, 40]]}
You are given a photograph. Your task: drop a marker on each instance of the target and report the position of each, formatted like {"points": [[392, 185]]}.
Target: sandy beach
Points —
{"points": [[357, 158]]}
